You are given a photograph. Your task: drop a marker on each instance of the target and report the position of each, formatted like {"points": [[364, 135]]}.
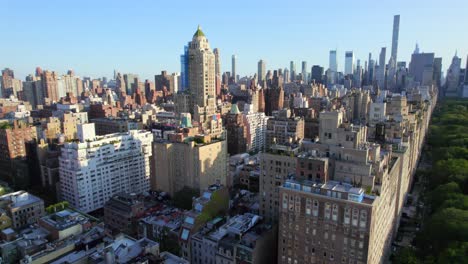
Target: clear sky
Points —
{"points": [[147, 36]]}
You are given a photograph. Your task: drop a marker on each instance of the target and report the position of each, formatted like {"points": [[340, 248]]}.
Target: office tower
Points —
{"points": [[23, 208], [217, 72], [317, 74], [349, 62], [284, 129], [333, 62], [255, 123], [233, 67], [438, 72], [194, 162], [33, 92], [261, 71], [396, 29], [357, 77], [130, 82], [416, 49], [304, 72], [466, 70], [201, 69], [99, 167], [286, 75], [217, 62], [452, 78], [184, 69], [236, 131], [420, 66], [292, 71], [381, 69]]}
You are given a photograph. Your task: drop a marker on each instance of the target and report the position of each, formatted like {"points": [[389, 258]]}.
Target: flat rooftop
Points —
{"points": [[332, 189], [20, 199]]}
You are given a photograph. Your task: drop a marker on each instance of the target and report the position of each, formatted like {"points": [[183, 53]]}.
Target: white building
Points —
{"points": [[300, 101], [98, 167], [377, 112], [256, 123]]}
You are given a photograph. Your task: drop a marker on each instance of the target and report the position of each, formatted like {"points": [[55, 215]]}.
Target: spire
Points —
{"points": [[199, 32]]}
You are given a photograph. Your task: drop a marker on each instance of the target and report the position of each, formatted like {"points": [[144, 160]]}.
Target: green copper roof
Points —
{"points": [[234, 109], [199, 32]]}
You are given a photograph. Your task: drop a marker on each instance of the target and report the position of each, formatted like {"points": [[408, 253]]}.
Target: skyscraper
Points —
{"points": [[380, 73], [234, 73], [286, 75], [217, 62], [184, 67], [349, 62], [304, 72], [396, 29], [453, 77], [292, 71], [201, 69], [333, 63], [261, 71], [316, 74]]}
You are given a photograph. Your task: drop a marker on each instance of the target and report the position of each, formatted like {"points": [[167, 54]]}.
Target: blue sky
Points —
{"points": [[145, 37]]}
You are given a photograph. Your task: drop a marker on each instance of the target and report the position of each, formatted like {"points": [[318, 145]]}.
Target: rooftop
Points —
{"points": [[64, 219], [199, 32], [20, 198], [332, 189]]}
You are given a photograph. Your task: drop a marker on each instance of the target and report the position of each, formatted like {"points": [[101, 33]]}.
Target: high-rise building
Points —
{"points": [[233, 67], [194, 161], [349, 63], [261, 71], [317, 74], [292, 71], [6, 82], [284, 129], [381, 69], [201, 69], [13, 145], [236, 131], [99, 167], [421, 66], [255, 123], [184, 70], [438, 72], [130, 82], [50, 87], [217, 62], [452, 79], [304, 72], [396, 30], [286, 75], [333, 62]]}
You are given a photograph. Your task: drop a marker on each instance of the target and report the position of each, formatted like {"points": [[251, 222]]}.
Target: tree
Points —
{"points": [[406, 256]]}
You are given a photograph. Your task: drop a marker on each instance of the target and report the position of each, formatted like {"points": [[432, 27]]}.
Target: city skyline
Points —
{"points": [[86, 39]]}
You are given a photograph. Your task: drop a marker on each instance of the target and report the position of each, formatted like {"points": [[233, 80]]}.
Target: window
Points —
{"points": [[327, 211], [355, 217], [315, 210], [363, 219], [347, 216], [308, 205], [335, 212]]}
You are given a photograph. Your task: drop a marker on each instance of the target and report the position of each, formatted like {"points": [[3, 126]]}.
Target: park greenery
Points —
{"points": [[444, 234]]}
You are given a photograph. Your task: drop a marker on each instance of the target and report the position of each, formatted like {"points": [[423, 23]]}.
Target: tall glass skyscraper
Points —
{"points": [[184, 66], [333, 63], [349, 62]]}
